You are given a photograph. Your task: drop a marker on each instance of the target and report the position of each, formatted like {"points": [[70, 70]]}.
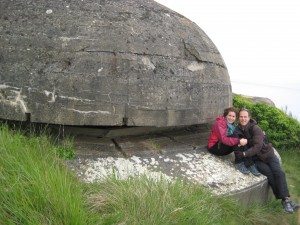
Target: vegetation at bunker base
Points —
{"points": [[37, 188], [145, 201], [282, 130]]}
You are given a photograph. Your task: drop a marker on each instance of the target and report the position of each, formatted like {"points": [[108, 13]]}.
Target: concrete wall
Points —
{"points": [[129, 62]]}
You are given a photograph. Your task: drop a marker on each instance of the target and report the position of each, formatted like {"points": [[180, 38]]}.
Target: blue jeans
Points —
{"points": [[271, 168]]}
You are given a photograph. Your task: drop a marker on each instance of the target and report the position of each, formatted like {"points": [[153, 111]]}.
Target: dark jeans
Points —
{"points": [[271, 168], [248, 161], [220, 149]]}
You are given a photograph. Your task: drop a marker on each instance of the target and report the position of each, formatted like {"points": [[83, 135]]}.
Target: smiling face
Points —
{"points": [[244, 118], [231, 117]]}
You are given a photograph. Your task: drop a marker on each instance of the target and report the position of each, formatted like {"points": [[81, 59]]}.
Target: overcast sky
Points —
{"points": [[259, 40]]}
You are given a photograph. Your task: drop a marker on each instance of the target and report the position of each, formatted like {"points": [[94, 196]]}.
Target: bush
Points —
{"points": [[282, 130]]}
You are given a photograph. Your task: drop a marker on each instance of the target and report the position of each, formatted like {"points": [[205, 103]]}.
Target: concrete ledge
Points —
{"points": [[170, 154], [260, 192]]}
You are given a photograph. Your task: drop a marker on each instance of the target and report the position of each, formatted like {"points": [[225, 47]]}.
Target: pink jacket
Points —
{"points": [[218, 133]]}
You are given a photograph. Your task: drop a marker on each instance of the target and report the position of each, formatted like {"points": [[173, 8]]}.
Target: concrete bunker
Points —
{"points": [[107, 69], [107, 63]]}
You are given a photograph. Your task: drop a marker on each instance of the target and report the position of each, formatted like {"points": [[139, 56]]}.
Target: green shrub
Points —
{"points": [[282, 130]]}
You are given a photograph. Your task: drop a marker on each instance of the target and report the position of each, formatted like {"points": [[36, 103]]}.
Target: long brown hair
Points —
{"points": [[230, 109]]}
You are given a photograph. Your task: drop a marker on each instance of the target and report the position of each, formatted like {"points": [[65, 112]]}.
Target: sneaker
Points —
{"points": [[295, 206], [242, 168], [287, 205], [253, 170]]}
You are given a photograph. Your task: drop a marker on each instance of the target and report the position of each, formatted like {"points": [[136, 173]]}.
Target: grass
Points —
{"points": [[141, 200], [291, 164], [291, 161], [154, 145], [37, 188]]}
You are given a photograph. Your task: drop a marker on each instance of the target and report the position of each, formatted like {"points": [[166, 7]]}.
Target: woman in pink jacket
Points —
{"points": [[222, 138]]}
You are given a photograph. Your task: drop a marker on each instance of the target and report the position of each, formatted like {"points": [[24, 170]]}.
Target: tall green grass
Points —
{"points": [[291, 165], [140, 201], [37, 188]]}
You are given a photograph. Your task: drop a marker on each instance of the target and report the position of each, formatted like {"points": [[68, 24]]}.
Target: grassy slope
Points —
{"points": [[36, 188]]}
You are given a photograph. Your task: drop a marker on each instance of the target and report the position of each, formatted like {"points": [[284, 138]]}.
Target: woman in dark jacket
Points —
{"points": [[265, 159]]}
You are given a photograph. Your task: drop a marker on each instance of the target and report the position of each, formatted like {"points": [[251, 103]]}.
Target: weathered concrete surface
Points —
{"points": [[172, 154], [129, 62]]}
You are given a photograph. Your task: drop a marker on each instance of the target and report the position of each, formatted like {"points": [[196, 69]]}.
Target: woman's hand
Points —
{"points": [[243, 142]]}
